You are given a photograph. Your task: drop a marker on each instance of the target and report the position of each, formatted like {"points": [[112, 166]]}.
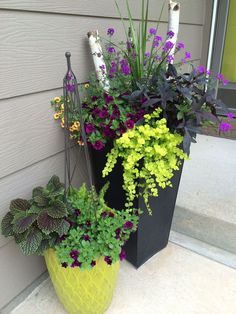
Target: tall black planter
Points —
{"points": [[153, 232]]}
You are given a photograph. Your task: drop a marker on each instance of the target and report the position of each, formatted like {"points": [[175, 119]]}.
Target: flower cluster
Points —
{"points": [[141, 80], [96, 231], [150, 154]]}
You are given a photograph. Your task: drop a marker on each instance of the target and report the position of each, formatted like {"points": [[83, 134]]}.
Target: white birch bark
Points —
{"points": [[173, 25], [99, 64]]}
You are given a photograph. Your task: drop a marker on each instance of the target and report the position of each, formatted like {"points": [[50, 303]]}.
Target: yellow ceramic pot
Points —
{"points": [[83, 292]]}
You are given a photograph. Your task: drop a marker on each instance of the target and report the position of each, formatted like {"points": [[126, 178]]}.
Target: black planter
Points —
{"points": [[153, 232]]}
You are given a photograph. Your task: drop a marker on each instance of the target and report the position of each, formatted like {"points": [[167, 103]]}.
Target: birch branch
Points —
{"points": [[173, 25], [98, 60]]}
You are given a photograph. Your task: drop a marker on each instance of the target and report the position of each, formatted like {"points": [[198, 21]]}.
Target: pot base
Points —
{"points": [[83, 292]]}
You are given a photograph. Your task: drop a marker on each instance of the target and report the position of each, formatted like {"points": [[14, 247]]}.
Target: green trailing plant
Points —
{"points": [[150, 154], [96, 230], [38, 223]]}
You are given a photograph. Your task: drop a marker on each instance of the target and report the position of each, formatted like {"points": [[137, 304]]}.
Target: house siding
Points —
{"points": [[34, 36]]}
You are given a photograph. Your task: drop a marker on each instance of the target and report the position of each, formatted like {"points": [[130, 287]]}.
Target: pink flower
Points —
{"points": [[122, 255], [129, 124], [187, 55], [225, 82], [230, 116], [220, 77], [225, 127], [98, 145], [89, 128]]}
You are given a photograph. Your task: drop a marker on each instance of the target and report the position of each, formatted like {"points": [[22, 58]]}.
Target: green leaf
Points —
{"points": [[58, 210], [23, 221], [63, 228], [46, 223], [34, 209], [6, 225], [32, 242], [53, 241], [18, 205], [20, 237], [58, 192], [44, 245], [54, 184], [41, 200], [38, 191], [180, 115]]}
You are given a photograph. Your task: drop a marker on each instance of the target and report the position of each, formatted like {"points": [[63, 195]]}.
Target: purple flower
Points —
{"points": [[111, 215], [158, 38], [208, 72], [115, 114], [65, 265], [225, 127], [129, 124], [103, 114], [94, 98], [113, 69], [225, 82], [104, 214], [98, 145], [180, 45], [230, 116], [110, 31], [122, 255], [125, 67], [168, 46], [96, 111], [187, 55], [111, 50], [122, 128], [128, 45], [86, 237], [152, 31], [108, 132], [88, 223], [170, 58], [77, 212], [201, 69], [128, 225], [147, 54], [220, 77], [159, 58], [156, 41], [70, 222], [89, 128], [108, 98], [74, 254], [70, 87], [93, 263], [170, 34], [62, 238], [108, 260], [76, 264], [118, 232]]}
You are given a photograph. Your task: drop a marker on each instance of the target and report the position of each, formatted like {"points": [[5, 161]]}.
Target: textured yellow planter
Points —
{"points": [[83, 292]]}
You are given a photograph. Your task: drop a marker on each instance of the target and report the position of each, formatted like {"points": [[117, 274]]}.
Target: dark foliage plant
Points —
{"points": [[38, 223]]}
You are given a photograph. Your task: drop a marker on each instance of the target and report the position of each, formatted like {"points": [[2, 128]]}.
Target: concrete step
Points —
{"points": [[214, 231], [206, 203]]}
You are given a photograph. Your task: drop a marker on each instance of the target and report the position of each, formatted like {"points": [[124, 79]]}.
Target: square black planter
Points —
{"points": [[153, 232]]}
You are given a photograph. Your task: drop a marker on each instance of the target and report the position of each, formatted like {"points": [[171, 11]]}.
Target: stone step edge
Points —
{"points": [[211, 230]]}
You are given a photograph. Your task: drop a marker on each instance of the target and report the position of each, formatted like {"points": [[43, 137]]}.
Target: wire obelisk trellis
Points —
{"points": [[72, 105]]}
